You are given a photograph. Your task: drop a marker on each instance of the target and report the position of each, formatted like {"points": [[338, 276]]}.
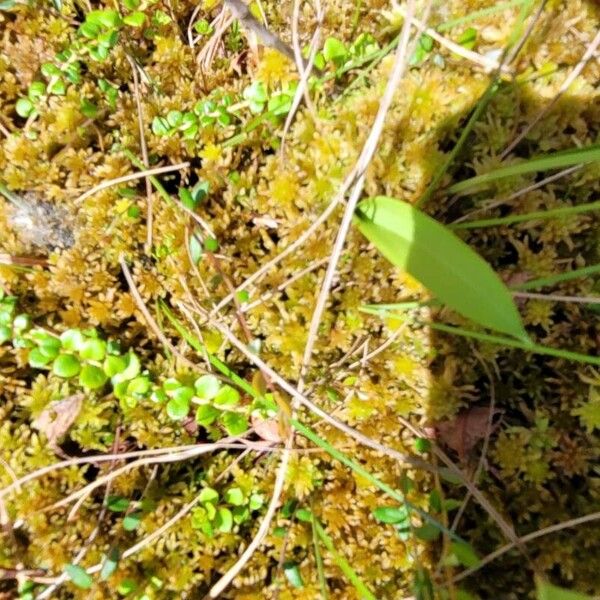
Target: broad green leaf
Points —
{"points": [[556, 160], [547, 591], [442, 262], [79, 576]]}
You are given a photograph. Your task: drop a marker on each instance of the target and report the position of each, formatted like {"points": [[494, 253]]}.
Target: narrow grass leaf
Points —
{"points": [[556, 160], [441, 261], [343, 564], [547, 591]]}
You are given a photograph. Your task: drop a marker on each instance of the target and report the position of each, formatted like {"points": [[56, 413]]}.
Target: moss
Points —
{"points": [[541, 458]]}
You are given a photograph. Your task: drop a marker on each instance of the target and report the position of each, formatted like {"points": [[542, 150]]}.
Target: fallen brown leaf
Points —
{"points": [[57, 417], [462, 433], [267, 429]]}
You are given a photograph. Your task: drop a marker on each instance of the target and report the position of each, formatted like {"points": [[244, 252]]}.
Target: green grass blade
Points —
{"points": [[318, 557], [384, 309], [532, 216], [557, 160], [554, 279], [477, 14], [343, 564], [505, 341]]}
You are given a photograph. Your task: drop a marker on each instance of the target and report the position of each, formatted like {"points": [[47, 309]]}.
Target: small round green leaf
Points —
{"points": [[174, 118], [224, 520], [79, 576], [92, 349], [159, 396], [117, 503], [256, 501], [104, 18], [211, 245], [114, 365], [135, 19], [5, 333], [292, 574], [21, 323], [183, 393], [66, 365], [334, 50], [207, 387], [92, 377], [234, 496], [209, 495], [131, 370], [71, 339], [37, 359], [139, 387], [171, 384], [234, 423], [24, 107], [110, 564], [206, 415], [227, 396], [131, 521], [240, 514], [391, 514], [178, 409], [160, 126]]}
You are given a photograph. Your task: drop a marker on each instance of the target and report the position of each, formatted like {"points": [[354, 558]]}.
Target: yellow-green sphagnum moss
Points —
{"points": [[215, 98]]}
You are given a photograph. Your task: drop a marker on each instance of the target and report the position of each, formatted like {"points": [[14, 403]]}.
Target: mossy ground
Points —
{"points": [[542, 460]]}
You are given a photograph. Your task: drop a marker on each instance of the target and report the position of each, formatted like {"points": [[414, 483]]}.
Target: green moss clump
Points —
{"points": [[540, 464]]}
